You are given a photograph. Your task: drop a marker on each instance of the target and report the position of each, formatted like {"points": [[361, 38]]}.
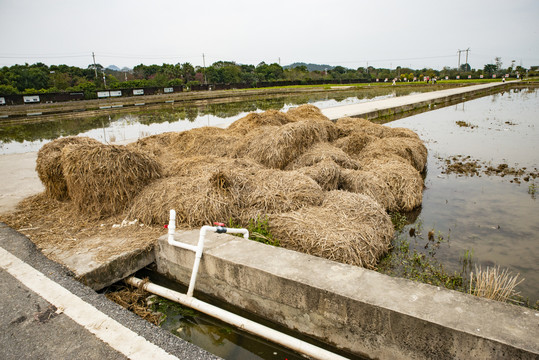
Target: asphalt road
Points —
{"points": [[42, 307]]}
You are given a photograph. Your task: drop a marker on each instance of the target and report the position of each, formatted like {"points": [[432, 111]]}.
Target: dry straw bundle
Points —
{"points": [[320, 152], [348, 126], [307, 113], [349, 228], [369, 183], [49, 165], [255, 120], [277, 146], [354, 143], [409, 149], [273, 191], [404, 182], [326, 173], [203, 141], [493, 283], [288, 166], [198, 201], [194, 165], [103, 179]]}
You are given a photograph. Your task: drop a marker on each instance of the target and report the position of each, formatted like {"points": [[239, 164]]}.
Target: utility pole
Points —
{"points": [[204, 67], [459, 51], [95, 66], [468, 49]]}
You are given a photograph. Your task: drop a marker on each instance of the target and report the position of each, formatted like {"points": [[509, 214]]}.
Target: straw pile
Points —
{"points": [[324, 186], [326, 173], [406, 149], [203, 141], [307, 113], [49, 166], [404, 182], [197, 200], [348, 126], [204, 193], [371, 184], [273, 191], [255, 120], [354, 143], [349, 228], [320, 152], [276, 146], [102, 179]]}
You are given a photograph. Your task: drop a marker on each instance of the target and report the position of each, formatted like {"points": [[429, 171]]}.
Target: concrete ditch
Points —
{"points": [[354, 309]]}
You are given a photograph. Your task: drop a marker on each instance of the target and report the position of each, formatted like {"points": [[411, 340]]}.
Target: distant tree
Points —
{"points": [[188, 72], [490, 69], [499, 63]]}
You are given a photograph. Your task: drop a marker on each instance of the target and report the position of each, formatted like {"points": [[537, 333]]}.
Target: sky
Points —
{"points": [[351, 33]]}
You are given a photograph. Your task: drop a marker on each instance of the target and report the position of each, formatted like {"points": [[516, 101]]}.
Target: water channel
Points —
{"points": [[119, 128]]}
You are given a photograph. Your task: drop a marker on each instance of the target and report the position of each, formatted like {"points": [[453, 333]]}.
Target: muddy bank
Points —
{"points": [[467, 166]]}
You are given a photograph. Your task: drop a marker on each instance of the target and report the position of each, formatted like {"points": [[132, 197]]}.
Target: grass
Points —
{"points": [[532, 190], [405, 261], [258, 230], [493, 283]]}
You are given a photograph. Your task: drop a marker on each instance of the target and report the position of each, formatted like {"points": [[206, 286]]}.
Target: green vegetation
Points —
{"points": [[532, 189], [407, 261], [40, 78], [259, 230]]}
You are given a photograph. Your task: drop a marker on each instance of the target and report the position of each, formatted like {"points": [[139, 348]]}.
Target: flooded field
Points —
{"points": [[113, 128], [488, 215]]}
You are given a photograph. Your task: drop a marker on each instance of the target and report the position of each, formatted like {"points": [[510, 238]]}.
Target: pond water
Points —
{"points": [[494, 217], [112, 128]]}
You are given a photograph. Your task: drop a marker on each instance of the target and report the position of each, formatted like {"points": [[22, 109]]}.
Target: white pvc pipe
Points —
{"points": [[238, 321], [200, 246]]}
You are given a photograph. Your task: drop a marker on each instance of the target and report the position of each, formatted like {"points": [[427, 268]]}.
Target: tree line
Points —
{"points": [[40, 78]]}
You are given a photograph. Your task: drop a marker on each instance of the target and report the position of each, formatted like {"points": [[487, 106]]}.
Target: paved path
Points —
{"points": [[47, 314], [338, 112]]}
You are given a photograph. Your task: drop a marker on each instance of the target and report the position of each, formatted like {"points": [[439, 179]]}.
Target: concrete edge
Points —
{"points": [[117, 268], [354, 309]]}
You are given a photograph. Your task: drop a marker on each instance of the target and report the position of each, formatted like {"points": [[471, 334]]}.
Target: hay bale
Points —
{"points": [[255, 120], [402, 132], [102, 179], [155, 145], [349, 228], [354, 143], [326, 173], [323, 151], [203, 141], [277, 146], [370, 184], [198, 200], [404, 182], [410, 149], [349, 125], [273, 191], [307, 112], [49, 165], [194, 165]]}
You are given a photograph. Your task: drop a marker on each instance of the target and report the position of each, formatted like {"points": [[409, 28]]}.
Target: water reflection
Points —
{"points": [[491, 215], [110, 128]]}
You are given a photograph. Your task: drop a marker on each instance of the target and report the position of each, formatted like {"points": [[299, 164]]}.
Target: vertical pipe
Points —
{"points": [[198, 255]]}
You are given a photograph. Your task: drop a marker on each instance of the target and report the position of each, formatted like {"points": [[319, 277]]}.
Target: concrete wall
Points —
{"points": [[354, 309]]}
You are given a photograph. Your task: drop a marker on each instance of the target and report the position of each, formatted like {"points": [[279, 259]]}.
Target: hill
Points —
{"points": [[310, 67]]}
